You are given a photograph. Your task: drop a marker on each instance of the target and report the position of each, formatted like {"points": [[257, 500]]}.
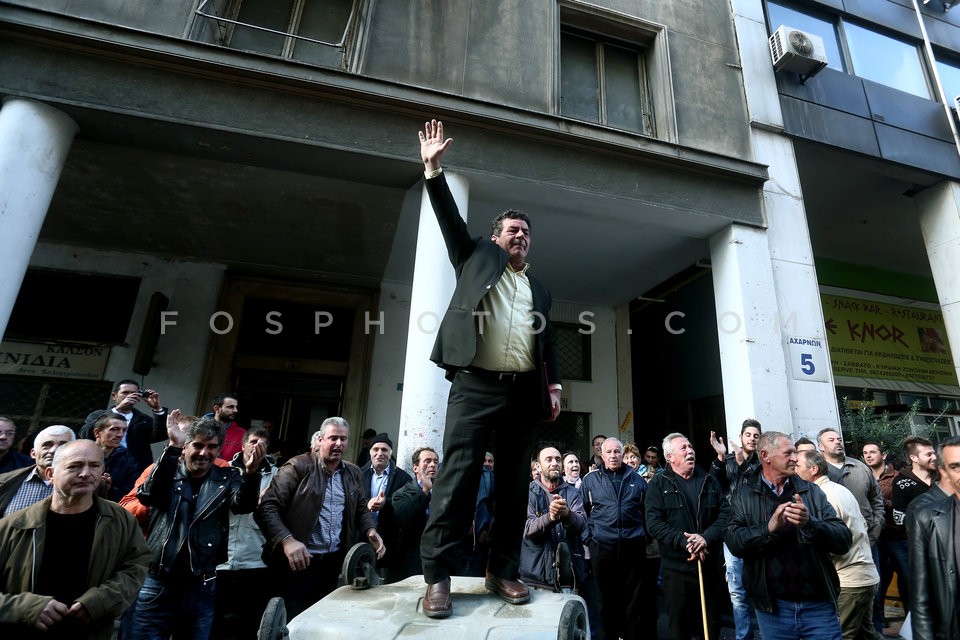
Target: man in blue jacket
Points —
{"points": [[687, 513], [613, 498]]}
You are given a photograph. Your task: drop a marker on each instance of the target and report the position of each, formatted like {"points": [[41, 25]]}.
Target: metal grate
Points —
{"points": [[34, 403], [573, 351], [571, 432]]}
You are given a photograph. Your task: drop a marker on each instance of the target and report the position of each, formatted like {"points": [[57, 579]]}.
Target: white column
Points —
{"points": [[939, 208], [34, 142], [423, 409], [751, 358], [788, 388]]}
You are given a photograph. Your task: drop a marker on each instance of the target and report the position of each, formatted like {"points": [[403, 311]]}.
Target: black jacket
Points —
{"points": [[748, 537], [730, 474], [479, 264], [386, 522], [224, 490], [933, 558], [542, 536], [669, 516], [410, 505], [142, 431]]}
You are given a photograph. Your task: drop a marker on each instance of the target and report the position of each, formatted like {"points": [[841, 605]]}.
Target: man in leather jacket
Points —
{"points": [[310, 516], [933, 535], [190, 500], [785, 530]]}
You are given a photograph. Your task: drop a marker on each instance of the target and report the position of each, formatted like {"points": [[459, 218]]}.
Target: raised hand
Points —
{"points": [[432, 144], [718, 446], [376, 503], [253, 457], [175, 434]]}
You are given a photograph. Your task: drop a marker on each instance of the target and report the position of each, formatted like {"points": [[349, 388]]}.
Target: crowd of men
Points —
{"points": [[108, 530]]}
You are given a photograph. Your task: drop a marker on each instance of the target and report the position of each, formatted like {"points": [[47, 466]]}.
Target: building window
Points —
{"points": [[314, 31], [949, 73], [573, 351], [603, 82], [858, 50], [886, 60], [614, 71]]}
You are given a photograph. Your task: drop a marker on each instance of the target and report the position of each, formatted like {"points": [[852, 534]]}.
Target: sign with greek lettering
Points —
{"points": [[808, 358], [871, 339], [61, 360]]}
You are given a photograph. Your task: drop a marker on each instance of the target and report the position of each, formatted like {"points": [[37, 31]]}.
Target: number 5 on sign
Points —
{"points": [[808, 358]]}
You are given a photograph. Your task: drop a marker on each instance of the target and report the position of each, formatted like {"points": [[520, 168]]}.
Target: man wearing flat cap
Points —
{"points": [[380, 480]]}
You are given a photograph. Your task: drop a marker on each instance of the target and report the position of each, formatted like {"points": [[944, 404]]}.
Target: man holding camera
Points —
{"points": [[142, 429]]}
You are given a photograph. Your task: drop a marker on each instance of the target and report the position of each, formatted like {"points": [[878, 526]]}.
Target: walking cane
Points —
{"points": [[703, 600]]}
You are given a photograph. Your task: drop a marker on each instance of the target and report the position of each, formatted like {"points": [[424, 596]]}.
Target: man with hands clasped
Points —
{"points": [[785, 530]]}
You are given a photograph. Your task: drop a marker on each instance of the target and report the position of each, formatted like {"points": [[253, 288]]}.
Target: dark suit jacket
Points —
{"points": [[386, 521], [10, 484], [410, 506], [142, 431], [479, 264], [933, 559]]}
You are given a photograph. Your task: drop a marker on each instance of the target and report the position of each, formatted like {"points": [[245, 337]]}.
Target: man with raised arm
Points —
{"points": [[496, 345]]}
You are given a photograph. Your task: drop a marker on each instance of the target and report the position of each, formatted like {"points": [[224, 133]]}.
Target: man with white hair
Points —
{"points": [[687, 512], [21, 488], [613, 498], [310, 516], [71, 563]]}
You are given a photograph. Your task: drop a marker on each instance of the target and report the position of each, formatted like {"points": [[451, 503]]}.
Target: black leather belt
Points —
{"points": [[498, 376]]}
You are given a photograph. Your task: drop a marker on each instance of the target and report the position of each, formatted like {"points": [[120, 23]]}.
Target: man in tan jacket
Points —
{"points": [[92, 559]]}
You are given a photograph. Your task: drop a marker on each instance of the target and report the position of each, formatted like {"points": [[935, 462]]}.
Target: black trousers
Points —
{"points": [[302, 589], [478, 407], [681, 597], [627, 606]]}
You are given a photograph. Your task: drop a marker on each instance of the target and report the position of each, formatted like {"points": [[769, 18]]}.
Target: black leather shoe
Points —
{"points": [[512, 591], [436, 601]]}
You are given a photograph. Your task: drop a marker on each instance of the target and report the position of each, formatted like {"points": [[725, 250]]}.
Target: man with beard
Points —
{"points": [[613, 499], [311, 515], [21, 488], [555, 516], [190, 501], [411, 506], [381, 479], [225, 410], [71, 563], [875, 457], [686, 512], [909, 485], [785, 530], [732, 470], [857, 478]]}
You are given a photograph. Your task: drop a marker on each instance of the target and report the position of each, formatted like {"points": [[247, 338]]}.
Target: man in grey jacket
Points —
{"points": [[857, 478]]}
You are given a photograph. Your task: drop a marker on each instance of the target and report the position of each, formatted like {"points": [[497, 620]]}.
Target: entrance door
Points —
{"points": [[295, 404]]}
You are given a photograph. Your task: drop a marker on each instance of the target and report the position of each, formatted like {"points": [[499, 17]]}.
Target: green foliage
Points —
{"points": [[862, 424]]}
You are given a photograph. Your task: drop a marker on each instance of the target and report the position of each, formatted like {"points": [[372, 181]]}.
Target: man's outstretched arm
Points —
{"points": [[432, 145]]}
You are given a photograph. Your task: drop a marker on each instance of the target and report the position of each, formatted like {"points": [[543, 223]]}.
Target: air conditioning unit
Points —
{"points": [[797, 51]]}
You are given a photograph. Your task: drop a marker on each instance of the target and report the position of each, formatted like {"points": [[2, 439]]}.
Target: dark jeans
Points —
{"points": [[626, 604], [894, 557], [181, 608], [242, 595], [478, 407], [812, 620]]}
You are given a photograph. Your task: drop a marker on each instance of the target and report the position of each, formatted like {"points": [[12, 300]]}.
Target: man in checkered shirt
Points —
{"points": [[21, 488]]}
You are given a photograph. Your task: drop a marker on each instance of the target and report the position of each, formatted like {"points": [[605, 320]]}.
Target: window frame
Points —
{"points": [[620, 29]]}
